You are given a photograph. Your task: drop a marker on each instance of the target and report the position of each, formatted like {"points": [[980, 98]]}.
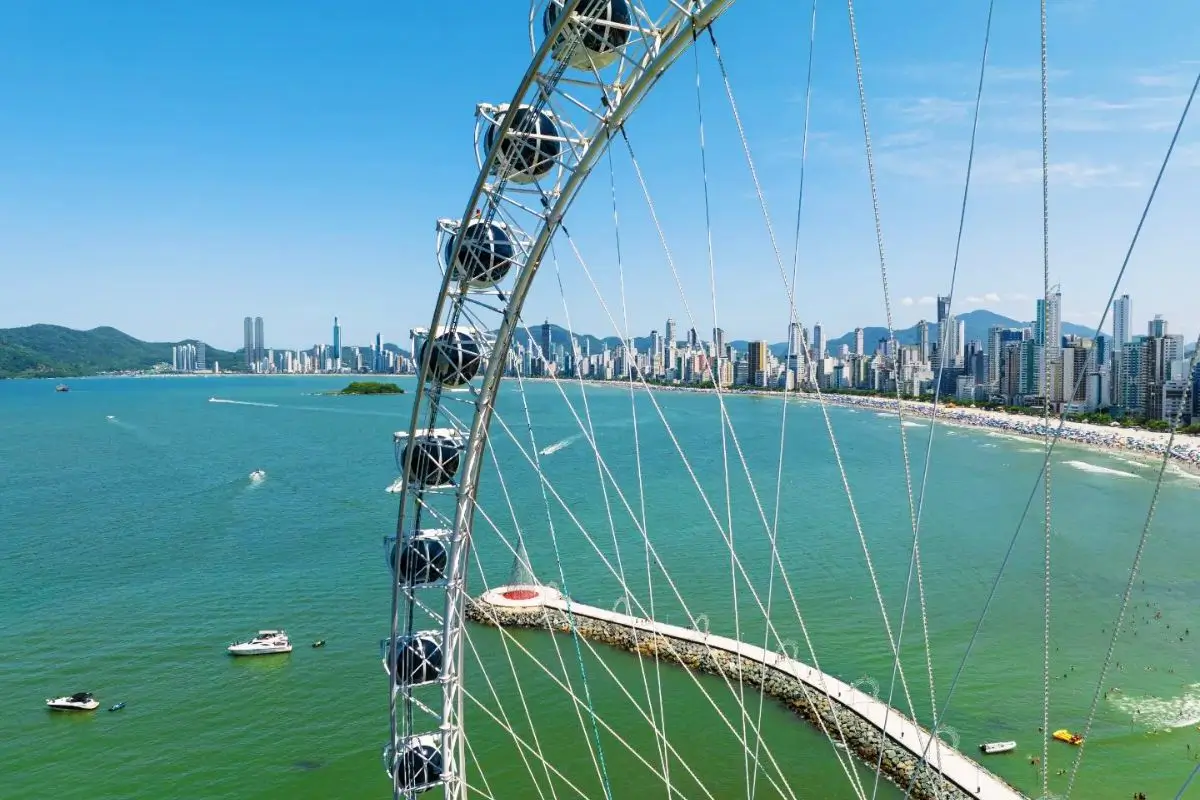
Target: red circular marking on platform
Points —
{"points": [[520, 594]]}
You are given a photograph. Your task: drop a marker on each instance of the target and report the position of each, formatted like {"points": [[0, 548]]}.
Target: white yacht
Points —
{"points": [[265, 643], [80, 701]]}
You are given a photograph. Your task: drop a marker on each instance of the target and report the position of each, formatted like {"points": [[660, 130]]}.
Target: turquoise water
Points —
{"points": [[134, 548]]}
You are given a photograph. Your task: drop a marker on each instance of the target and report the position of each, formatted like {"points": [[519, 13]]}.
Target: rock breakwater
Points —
{"points": [[860, 736]]}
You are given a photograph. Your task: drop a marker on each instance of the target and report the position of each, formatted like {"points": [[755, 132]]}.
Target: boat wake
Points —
{"points": [[1084, 466], [1162, 713], [242, 403], [559, 445]]}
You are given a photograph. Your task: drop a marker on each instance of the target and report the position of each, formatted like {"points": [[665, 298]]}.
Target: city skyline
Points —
{"points": [[307, 188]]}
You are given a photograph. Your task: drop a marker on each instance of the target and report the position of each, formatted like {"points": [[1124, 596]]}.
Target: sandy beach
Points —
{"points": [[1142, 444]]}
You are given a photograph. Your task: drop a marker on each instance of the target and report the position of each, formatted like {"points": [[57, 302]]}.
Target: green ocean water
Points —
{"points": [[133, 547]]}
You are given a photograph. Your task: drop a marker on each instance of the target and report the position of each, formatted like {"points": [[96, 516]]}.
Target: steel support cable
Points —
{"points": [[851, 775], [894, 641], [766, 215], [547, 485], [660, 724], [812, 36], [581, 703], [1047, 348], [591, 431], [944, 336], [1133, 573], [1062, 416], [733, 579], [1162, 468], [692, 619], [598, 752]]}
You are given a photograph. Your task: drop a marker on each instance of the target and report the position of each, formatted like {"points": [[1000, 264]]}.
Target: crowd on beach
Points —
{"points": [[1185, 448]]}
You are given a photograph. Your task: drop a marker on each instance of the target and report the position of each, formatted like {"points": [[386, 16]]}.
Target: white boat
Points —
{"points": [[258, 475], [992, 748], [264, 644], [80, 701]]}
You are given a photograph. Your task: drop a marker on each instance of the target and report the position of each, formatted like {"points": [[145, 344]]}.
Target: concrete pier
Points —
{"points": [[867, 723]]}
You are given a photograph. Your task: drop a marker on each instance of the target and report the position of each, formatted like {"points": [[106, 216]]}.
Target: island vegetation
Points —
{"points": [[370, 387]]}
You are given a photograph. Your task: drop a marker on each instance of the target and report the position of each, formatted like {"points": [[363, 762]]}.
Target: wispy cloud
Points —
{"points": [[926, 301], [906, 301]]}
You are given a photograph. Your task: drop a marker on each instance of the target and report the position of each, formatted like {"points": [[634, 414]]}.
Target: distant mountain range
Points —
{"points": [[52, 351], [977, 324]]}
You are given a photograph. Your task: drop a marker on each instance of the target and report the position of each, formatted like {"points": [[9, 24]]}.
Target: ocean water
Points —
{"points": [[133, 548]]}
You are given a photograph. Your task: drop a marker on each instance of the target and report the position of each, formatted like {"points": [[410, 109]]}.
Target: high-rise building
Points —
{"points": [[249, 340], [201, 357], [378, 353], [858, 341], [818, 341], [337, 340], [546, 352], [259, 341], [943, 311], [756, 358], [672, 341], [1048, 332], [923, 332], [718, 341], [1122, 318]]}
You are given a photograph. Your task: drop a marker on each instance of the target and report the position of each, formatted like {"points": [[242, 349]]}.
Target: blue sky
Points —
{"points": [[170, 167]]}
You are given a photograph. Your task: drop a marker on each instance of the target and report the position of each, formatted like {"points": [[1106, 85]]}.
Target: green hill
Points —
{"points": [[52, 351]]}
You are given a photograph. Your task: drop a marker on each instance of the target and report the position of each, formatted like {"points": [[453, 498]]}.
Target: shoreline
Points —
{"points": [[1147, 446]]}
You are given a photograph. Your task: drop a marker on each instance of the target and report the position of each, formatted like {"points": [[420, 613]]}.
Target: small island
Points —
{"points": [[370, 387]]}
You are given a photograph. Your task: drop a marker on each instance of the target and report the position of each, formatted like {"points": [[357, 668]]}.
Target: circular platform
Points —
{"points": [[524, 596]]}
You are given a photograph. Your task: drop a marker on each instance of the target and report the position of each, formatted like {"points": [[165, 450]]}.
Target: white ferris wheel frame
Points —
{"points": [[495, 198]]}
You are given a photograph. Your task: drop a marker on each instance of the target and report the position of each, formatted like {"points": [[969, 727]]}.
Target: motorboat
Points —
{"points": [[991, 748], [116, 707], [1064, 735], [62, 387], [258, 475], [264, 644], [80, 701]]}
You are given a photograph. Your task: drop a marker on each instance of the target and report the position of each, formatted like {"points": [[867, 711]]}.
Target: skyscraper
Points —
{"points": [[337, 340], [818, 341], [546, 351], [1122, 316], [259, 346], [858, 340], [378, 353], [718, 341], [248, 324], [1048, 332], [757, 358], [670, 334], [943, 309]]}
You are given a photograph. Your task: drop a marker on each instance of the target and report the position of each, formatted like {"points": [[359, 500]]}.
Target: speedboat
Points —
{"points": [[80, 701], [992, 748], [264, 644], [62, 387], [1064, 735], [258, 475]]}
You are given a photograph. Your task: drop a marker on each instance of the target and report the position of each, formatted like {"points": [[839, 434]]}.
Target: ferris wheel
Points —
{"points": [[594, 62]]}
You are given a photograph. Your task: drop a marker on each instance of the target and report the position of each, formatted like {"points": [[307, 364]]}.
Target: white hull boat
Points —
{"points": [[80, 701], [991, 748], [266, 643], [258, 475]]}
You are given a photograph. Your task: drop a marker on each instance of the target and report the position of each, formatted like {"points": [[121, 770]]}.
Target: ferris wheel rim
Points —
{"points": [[674, 37]]}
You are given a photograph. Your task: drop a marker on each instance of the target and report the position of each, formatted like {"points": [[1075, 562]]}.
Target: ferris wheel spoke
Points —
{"points": [[847, 766]]}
